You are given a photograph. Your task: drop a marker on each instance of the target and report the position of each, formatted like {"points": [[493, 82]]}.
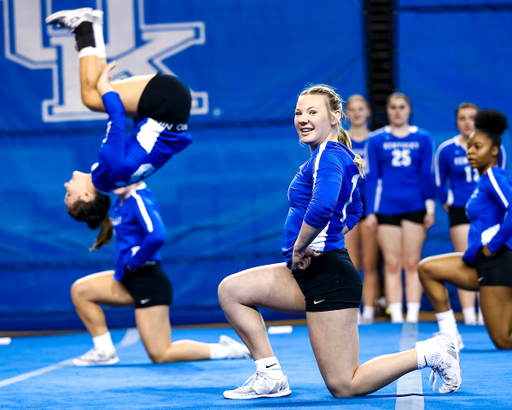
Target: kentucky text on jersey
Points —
{"points": [[488, 212], [455, 179], [323, 194], [400, 176], [139, 229], [126, 159]]}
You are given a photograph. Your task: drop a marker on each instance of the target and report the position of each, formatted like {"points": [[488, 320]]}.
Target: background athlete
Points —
{"points": [[361, 241], [160, 105], [455, 181], [485, 265], [138, 280], [400, 202], [318, 276]]}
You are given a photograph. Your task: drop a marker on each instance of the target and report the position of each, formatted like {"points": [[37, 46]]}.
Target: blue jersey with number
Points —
{"points": [[126, 159], [455, 179], [400, 177], [139, 230], [323, 194], [359, 147], [488, 212]]}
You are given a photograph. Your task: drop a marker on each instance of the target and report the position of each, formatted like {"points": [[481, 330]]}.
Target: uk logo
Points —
{"points": [[32, 44]]}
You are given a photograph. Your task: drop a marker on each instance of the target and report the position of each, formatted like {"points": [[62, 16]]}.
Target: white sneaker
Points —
{"points": [[97, 357], [448, 365], [457, 335], [71, 19], [365, 320], [260, 385], [236, 350], [97, 17]]}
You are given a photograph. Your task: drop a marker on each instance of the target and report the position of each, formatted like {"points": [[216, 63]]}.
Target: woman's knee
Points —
{"points": [[227, 289], [339, 388], [79, 292], [502, 341], [158, 357]]}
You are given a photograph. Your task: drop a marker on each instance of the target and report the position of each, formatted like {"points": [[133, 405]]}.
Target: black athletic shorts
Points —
{"points": [[495, 271], [166, 99], [330, 282], [363, 214], [458, 216], [416, 216], [148, 285]]}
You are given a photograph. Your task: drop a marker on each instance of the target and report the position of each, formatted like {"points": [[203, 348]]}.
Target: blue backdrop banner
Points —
{"points": [[223, 199]]}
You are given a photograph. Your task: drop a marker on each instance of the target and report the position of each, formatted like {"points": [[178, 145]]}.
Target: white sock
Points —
{"points": [[100, 49], [368, 312], [396, 312], [413, 312], [218, 352], [428, 353], [480, 317], [269, 366], [446, 322], [469, 316], [98, 39], [104, 342]]}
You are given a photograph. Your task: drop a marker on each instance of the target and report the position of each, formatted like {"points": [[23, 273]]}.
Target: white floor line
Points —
{"points": [[130, 337], [410, 386]]}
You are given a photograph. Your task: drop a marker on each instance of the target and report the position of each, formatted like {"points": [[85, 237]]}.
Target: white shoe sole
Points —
{"points": [[283, 393], [82, 363]]}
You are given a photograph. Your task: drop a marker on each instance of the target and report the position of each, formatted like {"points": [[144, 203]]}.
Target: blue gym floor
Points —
{"points": [[36, 373]]}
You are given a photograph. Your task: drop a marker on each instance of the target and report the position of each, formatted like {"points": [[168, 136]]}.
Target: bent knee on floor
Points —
{"points": [[503, 343], [341, 391], [158, 357]]}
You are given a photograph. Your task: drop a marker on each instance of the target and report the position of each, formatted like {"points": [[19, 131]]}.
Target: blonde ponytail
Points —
{"points": [[335, 104]]}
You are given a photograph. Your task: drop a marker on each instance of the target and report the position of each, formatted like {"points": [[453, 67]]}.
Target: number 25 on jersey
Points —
{"points": [[401, 157]]}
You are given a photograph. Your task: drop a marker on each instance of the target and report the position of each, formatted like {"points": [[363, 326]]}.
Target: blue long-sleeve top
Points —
{"points": [[323, 194], [455, 179], [359, 147], [126, 159], [139, 230], [400, 177], [488, 213]]}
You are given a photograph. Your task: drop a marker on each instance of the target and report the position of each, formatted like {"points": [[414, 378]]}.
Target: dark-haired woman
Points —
{"points": [[138, 280], [400, 202], [161, 107], [455, 181], [485, 266]]}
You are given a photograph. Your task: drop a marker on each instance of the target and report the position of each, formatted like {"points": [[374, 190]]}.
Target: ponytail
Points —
{"points": [[334, 103], [95, 213]]}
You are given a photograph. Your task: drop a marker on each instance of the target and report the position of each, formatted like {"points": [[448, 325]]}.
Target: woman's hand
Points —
{"points": [[301, 260], [103, 86], [371, 222], [446, 208], [429, 220], [487, 253]]}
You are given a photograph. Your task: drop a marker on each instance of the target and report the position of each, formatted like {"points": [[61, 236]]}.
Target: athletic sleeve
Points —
{"points": [[427, 176], [354, 210], [326, 190], [372, 176], [502, 159], [501, 190], [150, 220], [440, 170], [112, 151]]}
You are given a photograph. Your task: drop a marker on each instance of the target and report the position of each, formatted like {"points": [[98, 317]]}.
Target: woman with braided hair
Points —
{"points": [[318, 276], [159, 105], [485, 265]]}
